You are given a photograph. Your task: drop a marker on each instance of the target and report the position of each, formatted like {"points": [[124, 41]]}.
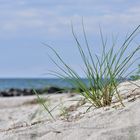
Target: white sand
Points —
{"points": [[21, 118]]}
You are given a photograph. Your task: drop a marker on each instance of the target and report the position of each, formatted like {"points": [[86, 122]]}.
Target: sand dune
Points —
{"points": [[22, 118]]}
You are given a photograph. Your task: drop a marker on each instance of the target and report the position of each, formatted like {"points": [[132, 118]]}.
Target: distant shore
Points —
{"points": [[26, 92]]}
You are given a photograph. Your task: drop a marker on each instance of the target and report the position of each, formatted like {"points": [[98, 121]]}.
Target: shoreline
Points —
{"points": [[23, 86], [11, 92], [27, 92]]}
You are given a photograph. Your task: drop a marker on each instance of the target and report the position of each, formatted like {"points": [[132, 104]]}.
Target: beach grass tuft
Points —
{"points": [[102, 71]]}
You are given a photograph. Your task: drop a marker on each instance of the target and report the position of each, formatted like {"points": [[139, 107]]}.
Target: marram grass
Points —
{"points": [[102, 72]]}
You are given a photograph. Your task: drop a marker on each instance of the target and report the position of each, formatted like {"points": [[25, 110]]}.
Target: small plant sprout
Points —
{"points": [[41, 101]]}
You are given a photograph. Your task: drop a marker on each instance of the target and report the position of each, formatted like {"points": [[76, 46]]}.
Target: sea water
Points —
{"points": [[37, 83]]}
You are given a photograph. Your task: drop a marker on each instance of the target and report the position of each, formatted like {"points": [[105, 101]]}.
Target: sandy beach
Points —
{"points": [[69, 70], [23, 118]]}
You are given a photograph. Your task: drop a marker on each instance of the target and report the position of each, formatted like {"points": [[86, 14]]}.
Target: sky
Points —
{"points": [[26, 24]]}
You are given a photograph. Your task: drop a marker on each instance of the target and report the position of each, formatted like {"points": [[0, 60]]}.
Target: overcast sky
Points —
{"points": [[25, 24]]}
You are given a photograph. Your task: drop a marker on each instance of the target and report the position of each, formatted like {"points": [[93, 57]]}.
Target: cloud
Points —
{"points": [[55, 17]]}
